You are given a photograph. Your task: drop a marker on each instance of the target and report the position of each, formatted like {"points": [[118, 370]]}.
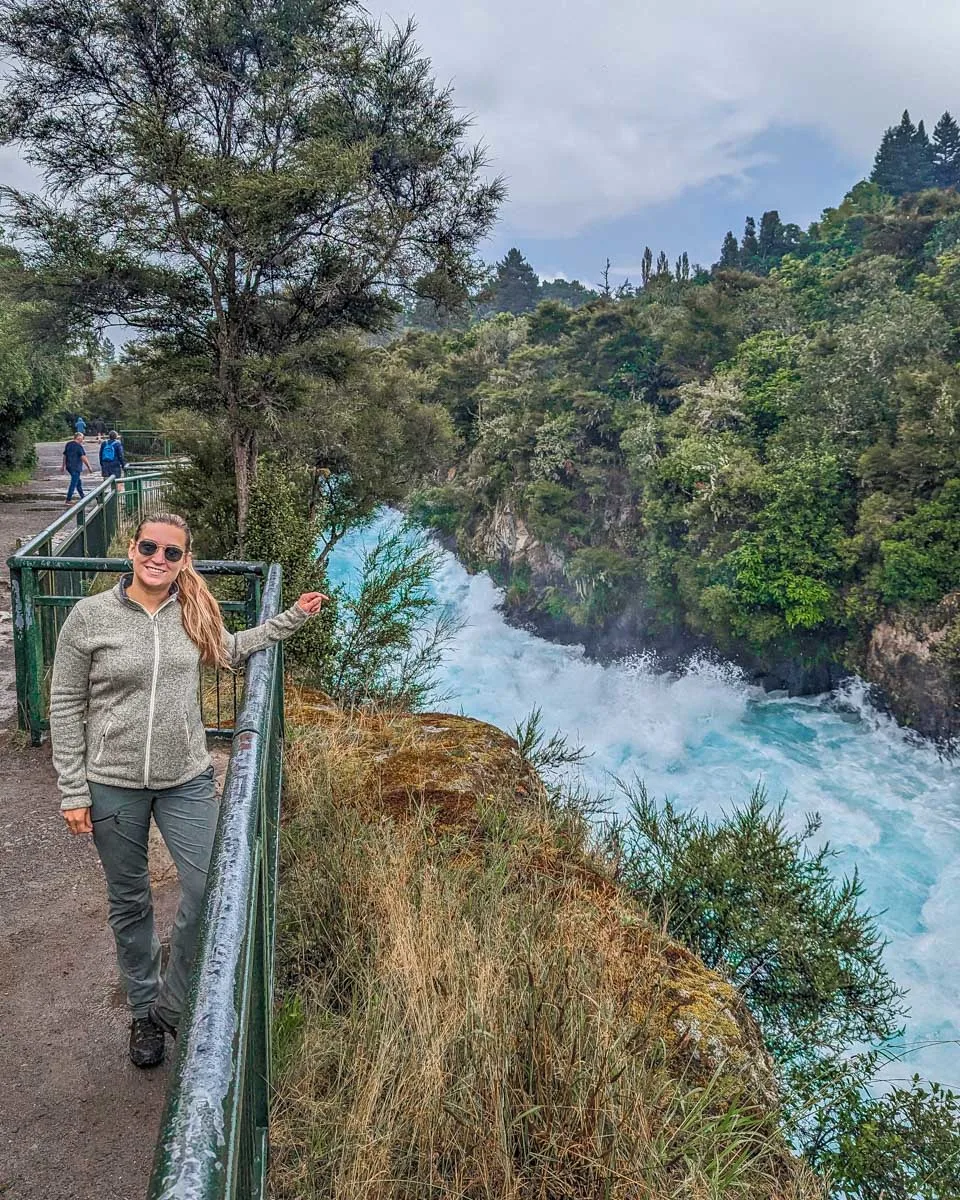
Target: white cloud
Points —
{"points": [[593, 112]]}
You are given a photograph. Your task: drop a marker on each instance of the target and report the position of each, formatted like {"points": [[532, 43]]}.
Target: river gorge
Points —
{"points": [[703, 736]]}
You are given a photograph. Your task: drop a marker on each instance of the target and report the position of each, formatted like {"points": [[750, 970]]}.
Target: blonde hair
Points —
{"points": [[199, 610]]}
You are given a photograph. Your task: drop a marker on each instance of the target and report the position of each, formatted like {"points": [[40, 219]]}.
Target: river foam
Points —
{"points": [[706, 738]]}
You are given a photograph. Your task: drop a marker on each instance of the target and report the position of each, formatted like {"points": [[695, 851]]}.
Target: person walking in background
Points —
{"points": [[80, 425], [128, 742], [112, 461], [74, 461]]}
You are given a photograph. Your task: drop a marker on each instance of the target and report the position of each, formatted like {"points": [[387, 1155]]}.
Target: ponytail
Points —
{"points": [[202, 621], [199, 610]]}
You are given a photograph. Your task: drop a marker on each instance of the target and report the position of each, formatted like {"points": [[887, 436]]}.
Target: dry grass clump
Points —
{"points": [[468, 1007]]}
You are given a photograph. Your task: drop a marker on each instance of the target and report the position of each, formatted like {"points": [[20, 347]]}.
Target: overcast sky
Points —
{"points": [[619, 123], [622, 123]]}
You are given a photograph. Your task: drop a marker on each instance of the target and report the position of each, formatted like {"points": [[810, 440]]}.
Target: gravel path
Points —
{"points": [[77, 1120]]}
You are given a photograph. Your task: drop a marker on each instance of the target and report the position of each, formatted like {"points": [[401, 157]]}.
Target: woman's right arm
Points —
{"points": [[69, 691]]}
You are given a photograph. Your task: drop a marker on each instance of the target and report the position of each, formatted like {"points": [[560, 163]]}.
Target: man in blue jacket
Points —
{"points": [[74, 460], [112, 461]]}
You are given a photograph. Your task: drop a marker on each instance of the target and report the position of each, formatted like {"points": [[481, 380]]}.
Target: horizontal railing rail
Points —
{"points": [[213, 1143]]}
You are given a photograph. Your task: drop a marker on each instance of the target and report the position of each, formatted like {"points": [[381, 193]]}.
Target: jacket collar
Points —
{"points": [[124, 582]]}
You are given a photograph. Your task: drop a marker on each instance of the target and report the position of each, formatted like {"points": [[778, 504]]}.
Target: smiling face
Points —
{"points": [[153, 571]]}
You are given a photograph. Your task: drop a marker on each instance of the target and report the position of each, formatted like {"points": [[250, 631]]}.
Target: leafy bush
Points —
{"points": [[279, 529], [389, 636], [921, 557], [757, 904], [444, 509], [552, 512]]}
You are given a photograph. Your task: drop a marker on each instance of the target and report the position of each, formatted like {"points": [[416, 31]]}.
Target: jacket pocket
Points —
{"points": [[103, 741]]}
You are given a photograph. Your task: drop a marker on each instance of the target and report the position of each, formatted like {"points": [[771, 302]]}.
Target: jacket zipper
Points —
{"points": [[153, 683], [153, 699]]}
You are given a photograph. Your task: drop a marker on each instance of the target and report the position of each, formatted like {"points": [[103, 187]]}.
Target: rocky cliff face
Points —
{"points": [[906, 661], [914, 664], [505, 539]]}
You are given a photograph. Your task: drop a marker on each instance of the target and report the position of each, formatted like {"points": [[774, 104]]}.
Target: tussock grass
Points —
{"points": [[468, 1007]]}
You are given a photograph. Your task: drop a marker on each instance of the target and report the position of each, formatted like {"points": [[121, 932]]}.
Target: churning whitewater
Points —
{"points": [[705, 738]]}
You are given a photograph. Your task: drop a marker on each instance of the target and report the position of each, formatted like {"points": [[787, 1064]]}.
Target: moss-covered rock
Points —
{"points": [[525, 955]]}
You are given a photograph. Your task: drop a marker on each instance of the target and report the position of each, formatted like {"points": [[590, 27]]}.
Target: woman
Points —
{"points": [[128, 742]]}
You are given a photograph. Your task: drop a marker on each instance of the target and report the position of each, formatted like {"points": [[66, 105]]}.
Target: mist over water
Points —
{"points": [[705, 738]]}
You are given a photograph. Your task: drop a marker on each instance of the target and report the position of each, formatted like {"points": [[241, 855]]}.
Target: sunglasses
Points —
{"points": [[148, 549]]}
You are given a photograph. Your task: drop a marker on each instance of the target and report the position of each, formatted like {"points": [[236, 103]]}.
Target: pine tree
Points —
{"points": [[905, 160], [770, 241], [749, 247], [729, 253], [646, 266], [240, 181], [946, 152], [516, 287]]}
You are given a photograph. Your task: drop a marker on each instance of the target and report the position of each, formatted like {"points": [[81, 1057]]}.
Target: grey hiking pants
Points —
{"points": [[187, 819]]}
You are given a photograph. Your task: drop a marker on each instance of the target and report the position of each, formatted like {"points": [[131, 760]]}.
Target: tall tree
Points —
{"points": [[663, 263], [749, 247], [770, 239], [946, 152], [646, 266], [237, 178], [905, 160], [729, 253], [515, 287]]}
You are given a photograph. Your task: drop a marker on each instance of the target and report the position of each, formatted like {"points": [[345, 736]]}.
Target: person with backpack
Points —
{"points": [[129, 744], [112, 461]]}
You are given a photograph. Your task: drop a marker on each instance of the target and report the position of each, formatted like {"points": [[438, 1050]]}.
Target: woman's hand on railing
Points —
{"points": [[78, 819], [310, 602]]}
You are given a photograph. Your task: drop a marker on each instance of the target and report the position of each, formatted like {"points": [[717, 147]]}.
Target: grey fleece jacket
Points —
{"points": [[124, 699]]}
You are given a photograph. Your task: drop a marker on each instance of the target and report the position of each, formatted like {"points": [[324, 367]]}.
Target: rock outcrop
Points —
{"points": [[914, 664]]}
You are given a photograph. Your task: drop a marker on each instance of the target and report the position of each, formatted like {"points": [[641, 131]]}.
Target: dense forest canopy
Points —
{"points": [[765, 455]]}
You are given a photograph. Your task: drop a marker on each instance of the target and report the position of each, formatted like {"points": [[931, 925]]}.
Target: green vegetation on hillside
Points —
{"points": [[37, 369], [765, 457]]}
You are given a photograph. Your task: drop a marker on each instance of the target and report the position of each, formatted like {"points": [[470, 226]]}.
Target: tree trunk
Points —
{"points": [[245, 452]]}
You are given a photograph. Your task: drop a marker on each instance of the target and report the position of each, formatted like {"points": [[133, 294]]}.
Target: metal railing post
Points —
{"points": [[20, 638], [33, 655]]}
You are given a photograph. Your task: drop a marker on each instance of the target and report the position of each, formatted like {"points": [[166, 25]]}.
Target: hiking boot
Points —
{"points": [[146, 1043], [164, 1025]]}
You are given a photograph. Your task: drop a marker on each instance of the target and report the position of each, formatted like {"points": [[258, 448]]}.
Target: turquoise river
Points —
{"points": [[704, 737]]}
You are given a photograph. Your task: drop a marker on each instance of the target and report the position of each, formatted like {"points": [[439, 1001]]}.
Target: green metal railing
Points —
{"points": [[145, 443], [53, 570], [213, 1139]]}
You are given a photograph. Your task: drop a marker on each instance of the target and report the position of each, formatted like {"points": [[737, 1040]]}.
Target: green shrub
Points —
{"points": [[921, 557], [445, 509]]}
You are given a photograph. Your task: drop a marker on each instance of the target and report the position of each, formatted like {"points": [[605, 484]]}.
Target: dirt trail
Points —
{"points": [[77, 1120]]}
